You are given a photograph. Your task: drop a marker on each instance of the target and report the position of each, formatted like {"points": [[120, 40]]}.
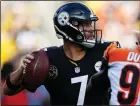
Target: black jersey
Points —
{"points": [[67, 79]]}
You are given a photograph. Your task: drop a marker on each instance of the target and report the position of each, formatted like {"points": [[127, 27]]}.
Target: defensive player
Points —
{"points": [[121, 71], [80, 57]]}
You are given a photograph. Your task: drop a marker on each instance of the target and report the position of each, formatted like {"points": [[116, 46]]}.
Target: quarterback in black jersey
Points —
{"points": [[73, 63]]}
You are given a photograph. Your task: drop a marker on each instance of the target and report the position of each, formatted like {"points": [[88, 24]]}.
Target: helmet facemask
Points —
{"points": [[91, 35], [80, 36]]}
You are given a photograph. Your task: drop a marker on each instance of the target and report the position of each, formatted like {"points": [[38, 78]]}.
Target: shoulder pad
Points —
{"points": [[117, 44], [113, 42], [50, 48], [111, 48]]}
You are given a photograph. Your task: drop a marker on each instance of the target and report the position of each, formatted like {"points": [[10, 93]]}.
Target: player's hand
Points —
{"points": [[27, 60], [17, 76]]}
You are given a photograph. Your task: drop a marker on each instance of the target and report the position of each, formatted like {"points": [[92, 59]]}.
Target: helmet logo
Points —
{"points": [[63, 18]]}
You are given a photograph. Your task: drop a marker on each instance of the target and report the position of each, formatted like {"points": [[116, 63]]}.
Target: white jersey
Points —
{"points": [[124, 75]]}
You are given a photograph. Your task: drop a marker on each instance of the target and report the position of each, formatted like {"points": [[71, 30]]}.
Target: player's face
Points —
{"points": [[87, 28]]}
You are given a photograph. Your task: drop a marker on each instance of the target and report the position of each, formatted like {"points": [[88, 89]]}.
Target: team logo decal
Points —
{"points": [[53, 73], [98, 66], [77, 69], [63, 18]]}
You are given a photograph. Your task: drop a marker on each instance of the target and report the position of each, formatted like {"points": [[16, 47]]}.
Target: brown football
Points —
{"points": [[37, 70]]}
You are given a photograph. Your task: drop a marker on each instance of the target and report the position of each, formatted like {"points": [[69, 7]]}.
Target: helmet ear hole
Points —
{"points": [[75, 23], [79, 38]]}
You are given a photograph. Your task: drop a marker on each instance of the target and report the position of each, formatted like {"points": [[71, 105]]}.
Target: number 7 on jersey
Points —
{"points": [[83, 80]]}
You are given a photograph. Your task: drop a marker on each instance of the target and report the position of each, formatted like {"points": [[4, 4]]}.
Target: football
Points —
{"points": [[37, 70]]}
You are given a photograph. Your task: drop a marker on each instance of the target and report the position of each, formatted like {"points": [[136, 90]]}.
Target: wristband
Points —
{"points": [[10, 85]]}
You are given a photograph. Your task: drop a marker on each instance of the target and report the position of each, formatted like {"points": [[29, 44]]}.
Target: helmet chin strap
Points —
{"points": [[85, 43], [89, 43]]}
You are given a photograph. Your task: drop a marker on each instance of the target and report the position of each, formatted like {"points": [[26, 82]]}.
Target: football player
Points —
{"points": [[121, 72], [80, 57]]}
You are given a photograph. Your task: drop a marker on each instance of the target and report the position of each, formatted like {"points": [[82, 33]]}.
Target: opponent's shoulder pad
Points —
{"points": [[117, 44], [111, 48], [107, 44]]}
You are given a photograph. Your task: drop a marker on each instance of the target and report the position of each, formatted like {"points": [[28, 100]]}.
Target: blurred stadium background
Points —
{"points": [[28, 25]]}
